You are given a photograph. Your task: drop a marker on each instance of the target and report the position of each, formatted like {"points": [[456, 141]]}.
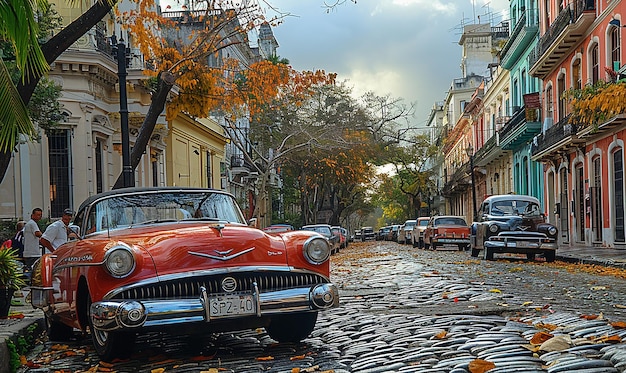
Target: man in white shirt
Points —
{"points": [[32, 250], [56, 233]]}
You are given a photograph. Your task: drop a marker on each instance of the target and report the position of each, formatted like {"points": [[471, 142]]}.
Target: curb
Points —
{"points": [[593, 261], [24, 330]]}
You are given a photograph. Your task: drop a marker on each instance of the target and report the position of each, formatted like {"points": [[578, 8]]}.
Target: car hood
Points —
{"points": [[190, 247]]}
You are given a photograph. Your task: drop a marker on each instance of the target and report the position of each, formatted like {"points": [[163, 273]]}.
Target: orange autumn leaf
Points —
{"points": [[295, 370], [549, 327], [158, 370], [480, 366], [265, 358], [589, 317], [540, 337], [441, 335], [105, 364], [619, 325], [298, 357], [610, 339]]}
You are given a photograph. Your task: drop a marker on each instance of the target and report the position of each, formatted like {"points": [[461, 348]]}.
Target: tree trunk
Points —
{"points": [[52, 49], [165, 84]]}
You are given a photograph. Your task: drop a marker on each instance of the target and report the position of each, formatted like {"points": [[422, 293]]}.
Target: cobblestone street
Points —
{"points": [[409, 310]]}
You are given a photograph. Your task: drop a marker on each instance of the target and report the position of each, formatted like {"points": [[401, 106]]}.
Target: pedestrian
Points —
{"points": [[32, 250], [17, 242], [56, 233]]}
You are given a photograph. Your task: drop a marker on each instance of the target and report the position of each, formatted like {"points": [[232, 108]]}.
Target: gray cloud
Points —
{"points": [[405, 48]]}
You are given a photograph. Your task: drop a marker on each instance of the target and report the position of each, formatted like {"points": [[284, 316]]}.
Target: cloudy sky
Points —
{"points": [[405, 48]]}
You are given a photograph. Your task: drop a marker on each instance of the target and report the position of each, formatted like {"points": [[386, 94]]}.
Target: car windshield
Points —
{"points": [[322, 230], [450, 221], [127, 210], [423, 223], [514, 207]]}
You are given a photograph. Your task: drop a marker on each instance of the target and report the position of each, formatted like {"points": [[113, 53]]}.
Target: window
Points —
{"points": [[560, 86], [209, 176], [549, 103], [618, 186], [595, 64], [99, 175], [615, 48], [60, 166], [577, 78]]}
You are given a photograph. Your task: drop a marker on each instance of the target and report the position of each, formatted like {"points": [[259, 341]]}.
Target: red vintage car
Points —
{"points": [[447, 231], [179, 259]]}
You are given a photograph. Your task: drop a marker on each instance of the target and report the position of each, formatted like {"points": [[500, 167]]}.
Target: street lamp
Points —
{"points": [[470, 154], [119, 52]]}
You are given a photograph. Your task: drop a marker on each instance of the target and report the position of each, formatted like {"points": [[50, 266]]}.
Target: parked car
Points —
{"points": [[357, 235], [392, 235], [326, 231], [446, 231], [381, 235], [513, 224], [367, 234], [417, 237], [181, 259], [343, 239], [405, 231]]}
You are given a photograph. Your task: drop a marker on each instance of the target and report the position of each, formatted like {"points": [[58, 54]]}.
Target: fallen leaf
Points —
{"points": [[540, 337], [295, 370], [610, 339], [549, 327], [494, 290], [619, 306], [298, 357], [527, 303], [158, 370], [589, 317], [480, 366], [265, 358], [619, 325], [441, 335]]}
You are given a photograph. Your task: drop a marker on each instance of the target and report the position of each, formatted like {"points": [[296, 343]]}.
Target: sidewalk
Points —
{"points": [[32, 324], [33, 318], [593, 255]]}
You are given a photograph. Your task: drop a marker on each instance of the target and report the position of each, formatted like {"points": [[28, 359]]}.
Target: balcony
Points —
{"points": [[524, 33], [565, 32], [560, 137], [522, 127], [459, 182]]}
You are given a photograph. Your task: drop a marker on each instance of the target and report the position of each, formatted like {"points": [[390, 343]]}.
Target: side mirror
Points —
{"points": [[253, 223], [76, 230]]}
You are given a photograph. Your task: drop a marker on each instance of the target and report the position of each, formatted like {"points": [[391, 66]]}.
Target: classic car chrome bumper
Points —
{"points": [[520, 244], [122, 313], [452, 241]]}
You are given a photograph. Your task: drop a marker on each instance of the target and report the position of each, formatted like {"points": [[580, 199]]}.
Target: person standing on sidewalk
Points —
{"points": [[32, 250], [56, 234]]}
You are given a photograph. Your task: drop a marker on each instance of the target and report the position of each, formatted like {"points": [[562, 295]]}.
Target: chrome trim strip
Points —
{"points": [[222, 258]]}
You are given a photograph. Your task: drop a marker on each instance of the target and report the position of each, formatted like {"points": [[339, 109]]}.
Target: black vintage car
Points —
{"points": [[513, 224]]}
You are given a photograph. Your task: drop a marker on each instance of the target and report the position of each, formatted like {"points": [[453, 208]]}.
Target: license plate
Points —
{"points": [[231, 305], [523, 244]]}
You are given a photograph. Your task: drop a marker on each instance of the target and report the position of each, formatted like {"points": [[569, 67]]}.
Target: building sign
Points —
{"points": [[532, 105]]}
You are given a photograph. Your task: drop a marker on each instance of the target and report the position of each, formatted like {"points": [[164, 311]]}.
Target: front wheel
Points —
{"points": [[475, 252], [488, 254], [530, 256], [550, 256], [112, 345], [291, 328]]}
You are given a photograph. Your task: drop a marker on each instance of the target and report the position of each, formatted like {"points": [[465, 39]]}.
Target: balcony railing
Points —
{"points": [[459, 181], [524, 32], [514, 121], [562, 131], [568, 16], [483, 153]]}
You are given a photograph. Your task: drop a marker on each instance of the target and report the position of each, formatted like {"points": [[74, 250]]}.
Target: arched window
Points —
{"points": [[618, 195], [615, 48], [560, 86], [594, 58], [549, 103], [577, 74]]}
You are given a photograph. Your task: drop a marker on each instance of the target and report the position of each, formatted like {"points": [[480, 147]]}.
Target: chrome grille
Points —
{"points": [[190, 287]]}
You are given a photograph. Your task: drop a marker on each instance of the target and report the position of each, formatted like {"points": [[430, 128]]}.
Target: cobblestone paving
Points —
{"points": [[409, 310]]}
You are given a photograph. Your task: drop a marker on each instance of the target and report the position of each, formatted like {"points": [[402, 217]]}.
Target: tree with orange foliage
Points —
{"points": [[595, 104]]}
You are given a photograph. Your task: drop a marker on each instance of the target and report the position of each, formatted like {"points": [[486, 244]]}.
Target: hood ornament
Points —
{"points": [[221, 255]]}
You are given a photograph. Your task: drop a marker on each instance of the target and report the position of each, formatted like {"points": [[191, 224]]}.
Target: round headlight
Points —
{"points": [[119, 261], [552, 231], [316, 250], [493, 228]]}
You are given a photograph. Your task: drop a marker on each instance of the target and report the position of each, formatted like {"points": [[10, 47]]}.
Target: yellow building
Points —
{"points": [[195, 153]]}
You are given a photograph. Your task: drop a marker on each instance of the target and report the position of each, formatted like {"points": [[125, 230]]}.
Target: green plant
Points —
{"points": [[10, 273]]}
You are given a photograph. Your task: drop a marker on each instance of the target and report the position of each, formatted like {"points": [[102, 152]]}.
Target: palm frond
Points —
{"points": [[14, 117]]}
